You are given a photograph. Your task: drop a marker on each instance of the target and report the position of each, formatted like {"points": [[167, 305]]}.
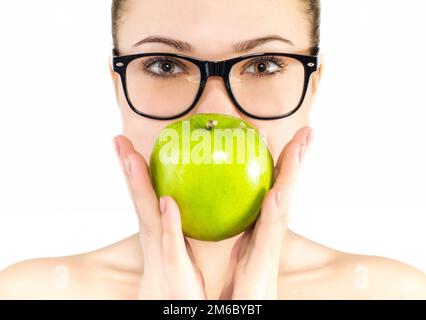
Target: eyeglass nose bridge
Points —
{"points": [[215, 68]]}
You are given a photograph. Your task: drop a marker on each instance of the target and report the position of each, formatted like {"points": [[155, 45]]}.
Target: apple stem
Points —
{"points": [[210, 124]]}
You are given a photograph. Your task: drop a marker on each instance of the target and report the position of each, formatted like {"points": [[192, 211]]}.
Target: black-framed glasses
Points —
{"points": [[165, 86]]}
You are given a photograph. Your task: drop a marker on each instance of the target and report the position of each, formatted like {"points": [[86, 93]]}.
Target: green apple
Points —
{"points": [[217, 168]]}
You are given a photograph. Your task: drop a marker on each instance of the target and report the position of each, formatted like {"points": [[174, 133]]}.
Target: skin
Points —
{"points": [[158, 262]]}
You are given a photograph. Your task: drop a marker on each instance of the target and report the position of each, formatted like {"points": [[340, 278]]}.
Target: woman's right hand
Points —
{"points": [[169, 268]]}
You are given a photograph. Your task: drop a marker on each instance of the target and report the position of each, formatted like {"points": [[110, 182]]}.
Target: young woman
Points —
{"points": [[268, 261]]}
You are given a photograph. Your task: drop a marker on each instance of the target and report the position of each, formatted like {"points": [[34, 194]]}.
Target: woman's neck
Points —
{"points": [[213, 260]]}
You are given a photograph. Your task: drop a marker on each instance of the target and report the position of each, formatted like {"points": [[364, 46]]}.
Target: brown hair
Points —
{"points": [[312, 10]]}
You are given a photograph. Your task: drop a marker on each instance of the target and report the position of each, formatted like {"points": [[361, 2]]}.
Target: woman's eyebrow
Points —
{"points": [[238, 47], [247, 45]]}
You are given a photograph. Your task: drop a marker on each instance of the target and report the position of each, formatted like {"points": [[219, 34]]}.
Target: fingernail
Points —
{"points": [[116, 146], [301, 152], [277, 198], [163, 205], [127, 165]]}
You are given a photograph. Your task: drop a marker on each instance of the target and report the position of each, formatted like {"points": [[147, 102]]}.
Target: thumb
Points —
{"points": [[226, 292], [173, 242]]}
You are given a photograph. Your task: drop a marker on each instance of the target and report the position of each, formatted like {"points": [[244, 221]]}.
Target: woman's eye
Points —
{"points": [[264, 67], [164, 68]]}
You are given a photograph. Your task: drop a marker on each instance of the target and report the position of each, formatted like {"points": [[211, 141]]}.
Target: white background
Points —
{"points": [[62, 192]]}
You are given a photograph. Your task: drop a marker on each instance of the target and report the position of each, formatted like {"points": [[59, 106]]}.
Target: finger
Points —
{"points": [[288, 165], [191, 255], [269, 225], [290, 155], [176, 260], [238, 249], [139, 183], [174, 248], [233, 260], [189, 250], [194, 263], [264, 250]]}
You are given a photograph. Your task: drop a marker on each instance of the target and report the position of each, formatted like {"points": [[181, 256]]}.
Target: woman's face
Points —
{"points": [[212, 27]]}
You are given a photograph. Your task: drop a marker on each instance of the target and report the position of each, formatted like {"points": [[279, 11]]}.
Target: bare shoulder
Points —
{"points": [[376, 277], [40, 278], [90, 275], [322, 272]]}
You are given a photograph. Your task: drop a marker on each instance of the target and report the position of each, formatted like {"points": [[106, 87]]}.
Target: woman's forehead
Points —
{"points": [[210, 26]]}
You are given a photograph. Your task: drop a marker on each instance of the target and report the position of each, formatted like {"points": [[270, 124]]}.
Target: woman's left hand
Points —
{"points": [[255, 257]]}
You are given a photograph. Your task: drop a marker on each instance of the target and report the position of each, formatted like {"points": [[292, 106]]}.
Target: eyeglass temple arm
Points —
{"points": [[315, 52], [114, 52]]}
